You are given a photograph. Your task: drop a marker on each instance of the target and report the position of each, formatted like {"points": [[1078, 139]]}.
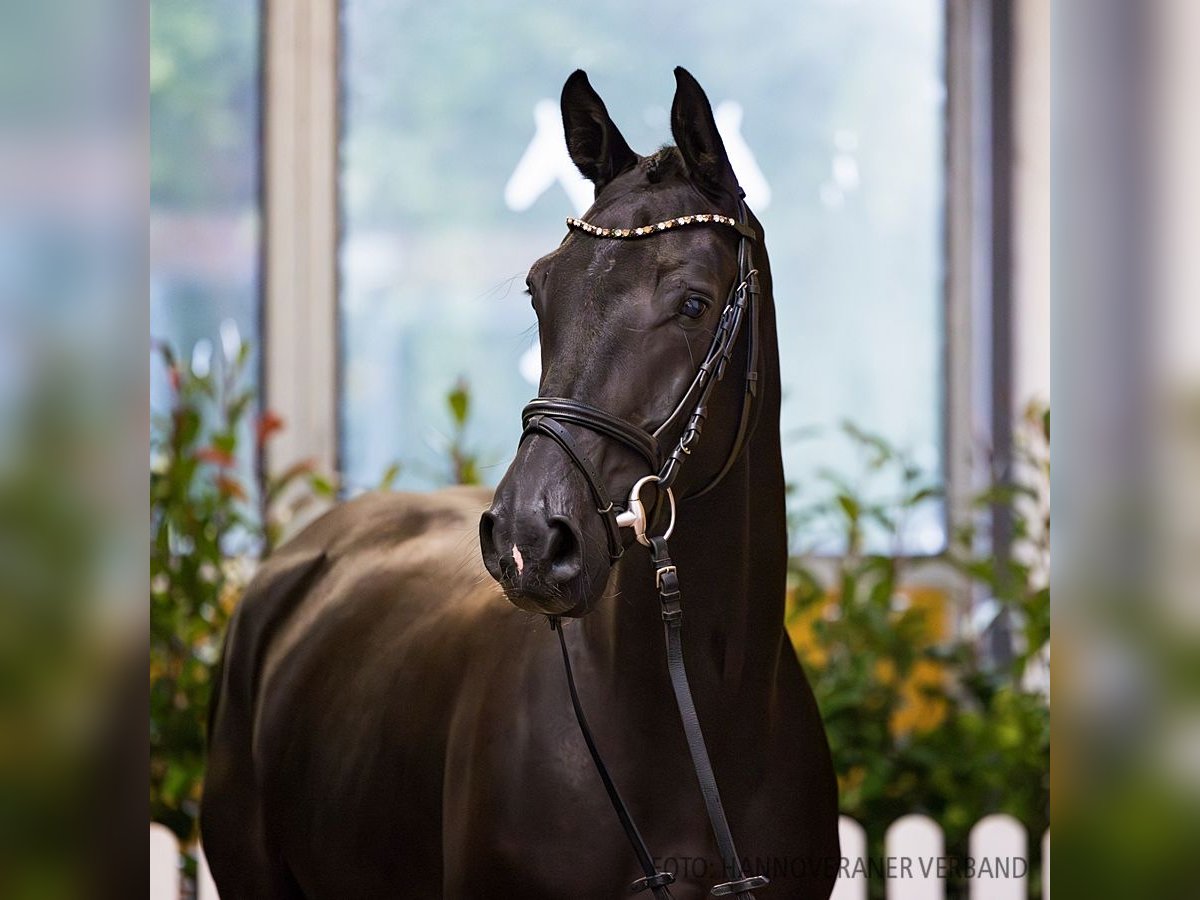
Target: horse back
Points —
{"points": [[335, 692]]}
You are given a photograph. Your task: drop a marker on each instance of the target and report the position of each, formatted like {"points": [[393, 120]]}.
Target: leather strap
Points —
{"points": [[653, 880], [749, 407], [670, 599], [742, 228], [739, 884], [742, 303], [578, 413], [604, 505]]}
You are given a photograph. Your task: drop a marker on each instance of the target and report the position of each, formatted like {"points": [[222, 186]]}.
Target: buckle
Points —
{"points": [[659, 574], [736, 887], [658, 879]]}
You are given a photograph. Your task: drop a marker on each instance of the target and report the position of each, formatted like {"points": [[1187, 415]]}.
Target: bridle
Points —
{"points": [[545, 415], [549, 416]]}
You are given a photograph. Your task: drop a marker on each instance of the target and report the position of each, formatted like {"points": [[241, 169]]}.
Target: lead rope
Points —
{"points": [[653, 880], [739, 884], [669, 596]]}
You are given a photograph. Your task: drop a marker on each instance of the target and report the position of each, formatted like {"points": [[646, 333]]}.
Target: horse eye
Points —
{"points": [[694, 307]]}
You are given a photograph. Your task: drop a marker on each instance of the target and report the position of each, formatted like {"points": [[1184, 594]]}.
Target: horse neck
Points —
{"points": [[730, 549]]}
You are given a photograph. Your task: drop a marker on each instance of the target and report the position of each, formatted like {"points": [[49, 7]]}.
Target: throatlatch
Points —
{"points": [[547, 416]]}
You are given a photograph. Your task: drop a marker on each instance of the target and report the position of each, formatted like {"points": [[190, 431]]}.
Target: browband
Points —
{"points": [[679, 221]]}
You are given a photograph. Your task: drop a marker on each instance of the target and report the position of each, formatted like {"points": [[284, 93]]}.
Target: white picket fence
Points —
{"points": [[914, 866]]}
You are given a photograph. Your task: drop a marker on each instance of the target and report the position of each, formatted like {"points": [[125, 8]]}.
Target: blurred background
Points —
{"points": [[343, 200], [442, 175]]}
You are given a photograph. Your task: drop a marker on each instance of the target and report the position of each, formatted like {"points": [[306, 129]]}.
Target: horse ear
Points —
{"points": [[696, 136], [596, 146]]}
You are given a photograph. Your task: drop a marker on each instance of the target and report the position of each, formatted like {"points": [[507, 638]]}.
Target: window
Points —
{"points": [[204, 183], [452, 183]]}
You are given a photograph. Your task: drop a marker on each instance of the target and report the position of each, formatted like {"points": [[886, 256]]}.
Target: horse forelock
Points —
{"points": [[666, 160], [658, 187]]}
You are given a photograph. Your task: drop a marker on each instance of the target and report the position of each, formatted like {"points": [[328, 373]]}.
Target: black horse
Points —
{"points": [[386, 725]]}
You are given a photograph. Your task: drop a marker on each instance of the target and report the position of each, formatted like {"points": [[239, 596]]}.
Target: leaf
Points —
{"points": [[186, 426], [231, 487], [468, 472], [862, 436], [389, 476], [226, 443], [276, 485], [459, 401], [216, 456], [925, 493], [850, 506], [322, 485], [165, 351], [268, 425], [238, 406]]}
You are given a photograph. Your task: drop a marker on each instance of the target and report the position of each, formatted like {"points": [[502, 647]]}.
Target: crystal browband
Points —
{"points": [[643, 230]]}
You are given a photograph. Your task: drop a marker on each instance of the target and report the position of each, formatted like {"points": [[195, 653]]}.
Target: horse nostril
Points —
{"points": [[556, 557], [564, 556], [487, 546]]}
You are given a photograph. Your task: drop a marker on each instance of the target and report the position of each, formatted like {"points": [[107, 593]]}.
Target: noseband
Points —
{"points": [[550, 416]]}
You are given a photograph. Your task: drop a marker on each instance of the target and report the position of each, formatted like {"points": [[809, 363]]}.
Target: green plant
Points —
{"points": [[920, 718], [213, 514], [1017, 580], [464, 463]]}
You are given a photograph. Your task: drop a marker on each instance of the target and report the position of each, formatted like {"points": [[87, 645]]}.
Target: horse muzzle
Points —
{"points": [[537, 559]]}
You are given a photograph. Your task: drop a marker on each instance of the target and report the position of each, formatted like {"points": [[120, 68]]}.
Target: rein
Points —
{"points": [[548, 415]]}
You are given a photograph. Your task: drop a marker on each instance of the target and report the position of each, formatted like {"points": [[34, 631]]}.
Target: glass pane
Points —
{"points": [[453, 183], [204, 159]]}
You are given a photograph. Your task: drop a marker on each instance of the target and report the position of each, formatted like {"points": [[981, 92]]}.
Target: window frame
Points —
{"points": [[301, 229]]}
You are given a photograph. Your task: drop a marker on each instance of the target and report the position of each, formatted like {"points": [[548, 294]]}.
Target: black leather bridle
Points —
{"points": [[551, 416], [546, 415]]}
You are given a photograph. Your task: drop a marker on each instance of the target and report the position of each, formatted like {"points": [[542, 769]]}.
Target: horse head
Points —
{"points": [[626, 325]]}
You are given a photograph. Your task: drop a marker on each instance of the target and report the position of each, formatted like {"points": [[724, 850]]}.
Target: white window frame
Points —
{"points": [[300, 234]]}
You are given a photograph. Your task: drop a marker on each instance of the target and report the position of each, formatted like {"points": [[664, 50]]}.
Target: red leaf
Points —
{"points": [[268, 424], [230, 487], [216, 456]]}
